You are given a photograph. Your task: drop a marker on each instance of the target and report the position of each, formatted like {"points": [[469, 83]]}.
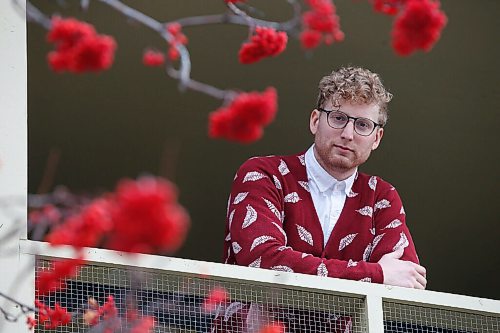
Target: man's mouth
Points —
{"points": [[343, 148]]}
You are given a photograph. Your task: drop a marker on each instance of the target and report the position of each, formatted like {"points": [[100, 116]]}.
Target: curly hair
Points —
{"points": [[357, 85]]}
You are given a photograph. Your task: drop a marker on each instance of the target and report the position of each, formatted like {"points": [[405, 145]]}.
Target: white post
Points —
{"points": [[16, 270], [374, 313]]}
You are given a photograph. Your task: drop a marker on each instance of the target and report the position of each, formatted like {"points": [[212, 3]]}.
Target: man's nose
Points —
{"points": [[348, 130]]}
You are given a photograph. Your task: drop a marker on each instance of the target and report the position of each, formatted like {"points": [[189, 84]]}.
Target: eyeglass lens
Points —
{"points": [[362, 126]]}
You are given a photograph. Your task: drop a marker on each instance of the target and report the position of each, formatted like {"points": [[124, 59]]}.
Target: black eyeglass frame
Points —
{"points": [[348, 118]]}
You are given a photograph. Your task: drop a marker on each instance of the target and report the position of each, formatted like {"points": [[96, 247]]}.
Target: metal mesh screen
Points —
{"points": [[181, 303], [417, 318]]}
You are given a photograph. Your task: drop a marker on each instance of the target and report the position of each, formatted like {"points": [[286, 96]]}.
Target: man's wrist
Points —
{"points": [[378, 273]]}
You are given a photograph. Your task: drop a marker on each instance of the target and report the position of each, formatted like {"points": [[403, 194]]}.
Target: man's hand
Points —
{"points": [[402, 273]]}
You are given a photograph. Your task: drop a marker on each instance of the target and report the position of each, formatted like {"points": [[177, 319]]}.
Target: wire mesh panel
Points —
{"points": [[421, 319], [186, 303]]}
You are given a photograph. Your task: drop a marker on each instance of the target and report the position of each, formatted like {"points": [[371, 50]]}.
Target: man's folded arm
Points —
{"points": [[391, 231]]}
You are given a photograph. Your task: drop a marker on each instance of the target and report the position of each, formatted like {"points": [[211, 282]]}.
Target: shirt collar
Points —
{"points": [[323, 180]]}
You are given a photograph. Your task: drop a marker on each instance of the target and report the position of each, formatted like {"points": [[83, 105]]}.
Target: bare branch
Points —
{"points": [[33, 14], [250, 21]]}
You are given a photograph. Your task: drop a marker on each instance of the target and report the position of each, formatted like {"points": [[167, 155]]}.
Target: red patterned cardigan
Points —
{"points": [[272, 223]]}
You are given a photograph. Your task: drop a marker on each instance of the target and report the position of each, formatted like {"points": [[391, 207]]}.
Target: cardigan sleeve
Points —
{"points": [[256, 236], [391, 231]]}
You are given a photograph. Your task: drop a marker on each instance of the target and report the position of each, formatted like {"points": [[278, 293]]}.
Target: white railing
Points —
{"points": [[366, 305]]}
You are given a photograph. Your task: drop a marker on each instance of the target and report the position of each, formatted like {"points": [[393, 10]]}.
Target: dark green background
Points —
{"points": [[440, 148]]}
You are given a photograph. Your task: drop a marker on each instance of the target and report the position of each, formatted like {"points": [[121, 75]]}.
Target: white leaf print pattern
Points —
{"points": [[283, 168], [281, 230], [228, 237], [254, 315], [305, 185], [250, 217], [346, 241], [283, 248], [305, 235], [368, 252], [403, 242], [402, 211], [231, 218], [302, 159], [256, 263], [376, 240], [236, 247], [352, 194], [240, 197], [372, 231], [253, 176], [292, 197], [348, 327], [394, 224], [322, 270], [272, 208], [352, 263], [282, 268], [232, 309], [366, 279], [260, 240], [305, 255], [277, 182], [228, 204], [365, 211], [372, 182], [382, 204]]}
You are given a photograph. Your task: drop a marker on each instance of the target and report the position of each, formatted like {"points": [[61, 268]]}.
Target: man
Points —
{"points": [[314, 212]]}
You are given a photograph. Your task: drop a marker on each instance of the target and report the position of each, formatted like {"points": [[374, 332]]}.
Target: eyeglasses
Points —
{"points": [[338, 119]]}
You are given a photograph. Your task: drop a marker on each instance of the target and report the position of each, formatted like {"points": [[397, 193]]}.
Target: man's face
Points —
{"points": [[340, 151]]}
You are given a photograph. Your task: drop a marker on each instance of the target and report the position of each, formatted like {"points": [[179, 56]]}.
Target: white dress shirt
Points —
{"points": [[328, 194]]}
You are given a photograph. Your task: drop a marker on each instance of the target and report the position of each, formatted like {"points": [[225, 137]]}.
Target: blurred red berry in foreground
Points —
{"points": [[266, 42], [53, 279], [78, 47], [243, 120], [178, 38], [388, 7], [52, 318], [418, 26], [153, 58], [216, 296], [141, 216], [273, 328], [86, 228], [320, 23], [143, 325], [146, 217]]}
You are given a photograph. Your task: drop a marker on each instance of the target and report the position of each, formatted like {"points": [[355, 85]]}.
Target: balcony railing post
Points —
{"points": [[374, 314], [17, 269]]}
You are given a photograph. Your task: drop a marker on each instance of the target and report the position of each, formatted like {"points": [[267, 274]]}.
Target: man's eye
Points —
{"points": [[338, 117], [363, 124]]}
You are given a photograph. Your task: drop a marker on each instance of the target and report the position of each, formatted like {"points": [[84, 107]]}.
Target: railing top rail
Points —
{"points": [[264, 276]]}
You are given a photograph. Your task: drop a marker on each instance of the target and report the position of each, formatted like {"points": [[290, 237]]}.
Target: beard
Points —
{"points": [[335, 161]]}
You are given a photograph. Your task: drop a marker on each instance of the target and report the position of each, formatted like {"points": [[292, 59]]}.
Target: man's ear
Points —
{"points": [[314, 121], [378, 137]]}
